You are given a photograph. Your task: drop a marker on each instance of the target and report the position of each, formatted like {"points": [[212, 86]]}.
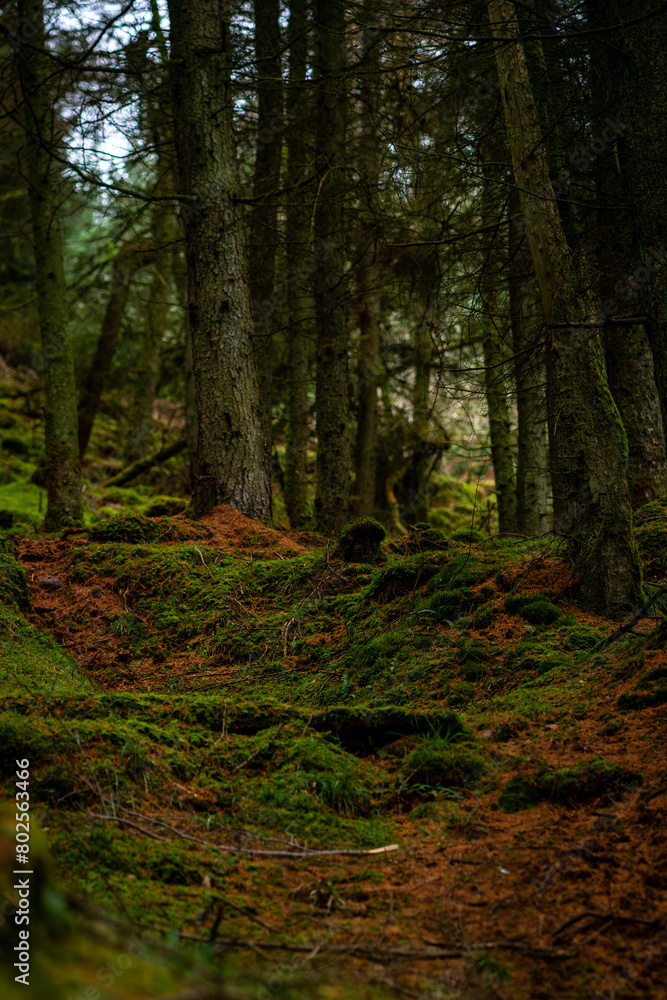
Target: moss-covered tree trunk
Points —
{"points": [[527, 324], [632, 61], [368, 270], [495, 365], [333, 445], [299, 300], [63, 472], [592, 447], [232, 464], [263, 226]]}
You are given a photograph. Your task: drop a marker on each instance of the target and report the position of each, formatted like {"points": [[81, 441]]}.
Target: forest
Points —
{"points": [[333, 499]]}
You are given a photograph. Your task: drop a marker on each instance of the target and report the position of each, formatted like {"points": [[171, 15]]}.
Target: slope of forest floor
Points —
{"points": [[216, 712]]}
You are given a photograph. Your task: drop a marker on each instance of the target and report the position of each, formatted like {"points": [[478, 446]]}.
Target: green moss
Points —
{"points": [[13, 586], [360, 540], [403, 577], [587, 781], [445, 767], [518, 794], [130, 527], [534, 608]]}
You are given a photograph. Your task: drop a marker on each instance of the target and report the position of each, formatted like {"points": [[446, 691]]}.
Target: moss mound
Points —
{"points": [[133, 528], [360, 541], [445, 767]]}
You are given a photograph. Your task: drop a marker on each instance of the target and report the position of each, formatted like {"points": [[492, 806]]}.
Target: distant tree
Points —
{"points": [[264, 216], [333, 435], [231, 453], [42, 139], [369, 268], [300, 327]]}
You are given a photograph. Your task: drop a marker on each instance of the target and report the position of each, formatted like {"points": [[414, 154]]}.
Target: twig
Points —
{"points": [[624, 629], [204, 561], [300, 853]]}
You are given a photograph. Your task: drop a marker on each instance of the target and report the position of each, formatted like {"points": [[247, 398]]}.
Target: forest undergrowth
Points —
{"points": [[269, 764]]}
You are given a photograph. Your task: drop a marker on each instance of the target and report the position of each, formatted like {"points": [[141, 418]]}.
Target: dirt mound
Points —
{"points": [[234, 530]]}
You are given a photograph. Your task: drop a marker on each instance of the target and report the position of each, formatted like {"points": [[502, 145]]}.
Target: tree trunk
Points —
{"points": [[592, 447], [130, 259], [629, 68], [179, 270], [494, 360], [263, 227], [63, 471], [232, 464], [333, 448], [642, 148], [298, 298], [368, 270], [163, 230], [528, 345]]}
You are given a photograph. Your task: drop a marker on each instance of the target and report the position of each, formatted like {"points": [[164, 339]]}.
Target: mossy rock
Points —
{"points": [[360, 541], [15, 446], [446, 767]]}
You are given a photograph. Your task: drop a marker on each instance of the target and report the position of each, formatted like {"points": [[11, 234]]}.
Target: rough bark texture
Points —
{"points": [[530, 375], [300, 331], [494, 362], [263, 240], [63, 472], [368, 271], [333, 447], [632, 62], [592, 447], [179, 271], [631, 379], [638, 55], [232, 465]]}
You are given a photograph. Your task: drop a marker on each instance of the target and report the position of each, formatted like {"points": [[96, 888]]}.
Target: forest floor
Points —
{"points": [[226, 725]]}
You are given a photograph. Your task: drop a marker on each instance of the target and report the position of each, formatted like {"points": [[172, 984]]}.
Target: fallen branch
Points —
{"points": [[624, 629], [298, 854], [373, 954], [143, 464]]}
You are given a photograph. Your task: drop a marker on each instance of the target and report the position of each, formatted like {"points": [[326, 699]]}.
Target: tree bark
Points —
{"points": [[300, 331], [368, 270], [333, 447], [592, 447], [63, 471], [631, 68], [232, 466], [527, 324], [494, 359], [263, 226]]}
